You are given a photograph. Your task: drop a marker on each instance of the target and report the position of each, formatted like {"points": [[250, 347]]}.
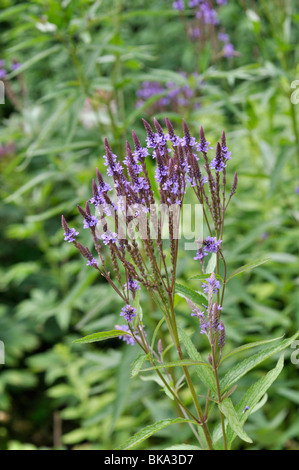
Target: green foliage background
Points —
{"points": [[57, 394]]}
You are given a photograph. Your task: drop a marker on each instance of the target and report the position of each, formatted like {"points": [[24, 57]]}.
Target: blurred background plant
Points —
{"points": [[74, 73]]}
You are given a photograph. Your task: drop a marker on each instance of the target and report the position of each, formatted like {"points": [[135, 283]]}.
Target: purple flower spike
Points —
{"points": [[200, 255], [211, 245], [132, 285], [178, 5], [127, 338], [212, 285], [228, 50], [15, 66], [90, 221], [109, 237], [218, 163], [70, 235], [128, 312]]}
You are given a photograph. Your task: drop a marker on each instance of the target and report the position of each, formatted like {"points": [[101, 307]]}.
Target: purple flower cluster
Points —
{"points": [[205, 24], [174, 96], [210, 245], [178, 5], [3, 70], [209, 320], [132, 286], [180, 162], [70, 235], [212, 285], [177, 164], [127, 338], [128, 312], [228, 49]]}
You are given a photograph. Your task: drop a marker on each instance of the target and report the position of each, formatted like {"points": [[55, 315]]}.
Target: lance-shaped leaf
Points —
{"points": [[150, 430], [95, 337], [253, 396], [234, 374], [205, 375], [191, 294], [244, 347], [248, 267], [184, 363], [138, 363], [227, 408], [203, 277]]}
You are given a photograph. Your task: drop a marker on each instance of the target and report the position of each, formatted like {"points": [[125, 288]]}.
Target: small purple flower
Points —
{"points": [[212, 284], [15, 66], [92, 262], [90, 221], [203, 146], [226, 155], [195, 33], [200, 255], [127, 338], [218, 163], [297, 190], [194, 3], [140, 153], [128, 312], [211, 245], [70, 235], [178, 5], [221, 2], [204, 325], [246, 409], [207, 14], [221, 341], [175, 140], [109, 237], [132, 285], [3, 73], [228, 50], [223, 37]]}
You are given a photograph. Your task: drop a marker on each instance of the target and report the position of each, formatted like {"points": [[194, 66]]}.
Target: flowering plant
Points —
{"points": [[129, 231]]}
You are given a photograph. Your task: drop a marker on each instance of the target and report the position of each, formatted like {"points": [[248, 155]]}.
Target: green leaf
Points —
{"points": [[253, 396], [95, 337], [244, 347], [227, 408], [138, 363], [156, 332], [205, 374], [123, 385], [183, 447], [248, 267], [191, 294], [203, 277], [212, 263], [150, 430], [245, 366], [33, 60], [177, 364]]}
